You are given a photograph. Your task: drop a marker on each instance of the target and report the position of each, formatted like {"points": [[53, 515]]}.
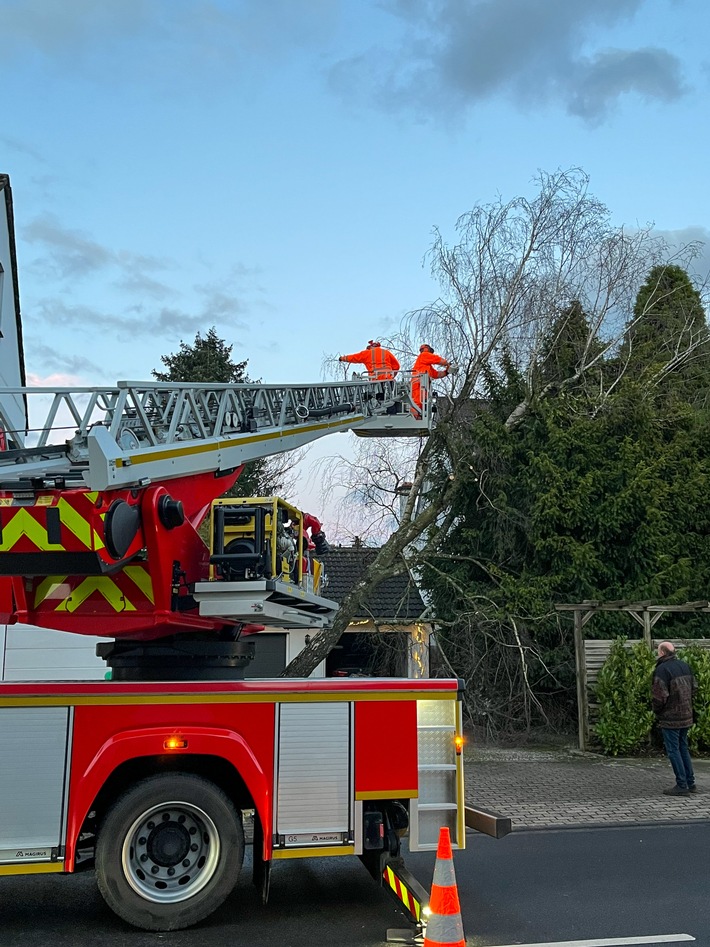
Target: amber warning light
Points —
{"points": [[458, 743], [175, 743]]}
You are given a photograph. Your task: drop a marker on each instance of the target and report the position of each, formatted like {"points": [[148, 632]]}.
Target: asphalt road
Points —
{"points": [[531, 887], [575, 884]]}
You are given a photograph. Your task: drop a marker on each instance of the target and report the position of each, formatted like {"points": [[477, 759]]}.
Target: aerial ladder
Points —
{"points": [[103, 491], [99, 529]]}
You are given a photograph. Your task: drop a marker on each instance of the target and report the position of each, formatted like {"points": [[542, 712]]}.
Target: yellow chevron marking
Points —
{"points": [[47, 586], [24, 524], [98, 540], [75, 522], [96, 583], [142, 579]]}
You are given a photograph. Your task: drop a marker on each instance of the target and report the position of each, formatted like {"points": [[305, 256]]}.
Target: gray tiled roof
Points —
{"points": [[395, 599]]}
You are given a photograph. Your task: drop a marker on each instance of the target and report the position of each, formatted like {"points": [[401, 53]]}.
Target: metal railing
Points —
{"points": [[97, 434]]}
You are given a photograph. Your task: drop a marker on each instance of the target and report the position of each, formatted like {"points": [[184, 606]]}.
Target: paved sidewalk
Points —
{"points": [[566, 788]]}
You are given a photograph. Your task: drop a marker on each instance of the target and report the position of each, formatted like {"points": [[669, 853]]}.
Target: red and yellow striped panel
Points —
{"points": [[411, 904], [129, 590], [33, 528]]}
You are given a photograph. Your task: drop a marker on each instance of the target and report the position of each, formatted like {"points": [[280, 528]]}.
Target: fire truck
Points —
{"points": [[149, 776]]}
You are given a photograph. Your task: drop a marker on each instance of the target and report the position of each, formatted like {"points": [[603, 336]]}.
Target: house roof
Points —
{"points": [[396, 599]]}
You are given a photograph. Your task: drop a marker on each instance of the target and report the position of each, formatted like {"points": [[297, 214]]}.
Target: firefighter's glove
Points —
{"points": [[320, 542]]}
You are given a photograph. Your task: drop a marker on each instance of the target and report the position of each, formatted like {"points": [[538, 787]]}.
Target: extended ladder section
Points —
{"points": [[138, 432], [102, 491]]}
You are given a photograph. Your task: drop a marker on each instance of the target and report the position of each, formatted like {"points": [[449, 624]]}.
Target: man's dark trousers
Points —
{"points": [[676, 744]]}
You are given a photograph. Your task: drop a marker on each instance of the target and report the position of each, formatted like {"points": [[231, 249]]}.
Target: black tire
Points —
{"points": [[169, 852]]}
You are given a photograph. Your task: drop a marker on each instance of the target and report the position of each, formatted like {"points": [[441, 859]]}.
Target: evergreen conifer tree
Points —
{"points": [[668, 335]]}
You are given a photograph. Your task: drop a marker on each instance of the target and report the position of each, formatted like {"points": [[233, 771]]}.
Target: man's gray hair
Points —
{"points": [[666, 647]]}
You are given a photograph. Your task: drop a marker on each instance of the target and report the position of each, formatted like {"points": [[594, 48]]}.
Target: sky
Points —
{"points": [[276, 168]]}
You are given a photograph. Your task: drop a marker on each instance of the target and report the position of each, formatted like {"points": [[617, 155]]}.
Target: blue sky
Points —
{"points": [[275, 167]]}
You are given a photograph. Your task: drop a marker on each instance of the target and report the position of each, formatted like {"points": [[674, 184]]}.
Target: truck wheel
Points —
{"points": [[169, 852]]}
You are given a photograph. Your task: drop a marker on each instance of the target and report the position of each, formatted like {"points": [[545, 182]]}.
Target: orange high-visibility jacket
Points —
{"points": [[380, 363], [424, 365]]}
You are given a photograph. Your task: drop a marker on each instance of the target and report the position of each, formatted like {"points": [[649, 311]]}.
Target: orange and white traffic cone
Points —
{"points": [[444, 927]]}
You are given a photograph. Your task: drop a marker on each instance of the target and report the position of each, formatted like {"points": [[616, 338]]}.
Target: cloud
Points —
{"points": [[455, 53], [220, 299], [140, 284], [139, 307], [49, 27], [223, 305], [54, 380], [22, 148], [136, 323], [695, 242], [440, 56], [53, 361], [71, 254], [651, 73], [159, 41]]}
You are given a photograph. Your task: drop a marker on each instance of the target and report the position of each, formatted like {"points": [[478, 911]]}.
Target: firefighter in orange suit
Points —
{"points": [[380, 363], [427, 363]]}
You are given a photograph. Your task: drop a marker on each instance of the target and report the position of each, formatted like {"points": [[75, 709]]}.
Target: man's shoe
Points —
{"points": [[676, 791], [692, 788]]}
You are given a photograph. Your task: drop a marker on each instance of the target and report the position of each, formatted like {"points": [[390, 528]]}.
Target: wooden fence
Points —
{"points": [[591, 653]]}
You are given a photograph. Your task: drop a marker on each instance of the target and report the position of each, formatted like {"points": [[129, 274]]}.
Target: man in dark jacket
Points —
{"points": [[672, 697]]}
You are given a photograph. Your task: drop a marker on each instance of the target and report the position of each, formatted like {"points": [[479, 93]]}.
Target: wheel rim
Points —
{"points": [[170, 852]]}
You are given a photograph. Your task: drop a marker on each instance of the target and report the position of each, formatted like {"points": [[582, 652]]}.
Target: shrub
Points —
{"points": [[699, 660], [623, 691]]}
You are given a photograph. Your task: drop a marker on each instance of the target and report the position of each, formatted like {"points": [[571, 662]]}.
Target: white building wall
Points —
{"points": [[42, 654], [28, 653], [296, 643]]}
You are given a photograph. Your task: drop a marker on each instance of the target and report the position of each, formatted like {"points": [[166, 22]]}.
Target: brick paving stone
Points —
{"points": [[563, 788]]}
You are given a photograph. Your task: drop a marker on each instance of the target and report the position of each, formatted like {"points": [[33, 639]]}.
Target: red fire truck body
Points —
{"points": [[126, 775]]}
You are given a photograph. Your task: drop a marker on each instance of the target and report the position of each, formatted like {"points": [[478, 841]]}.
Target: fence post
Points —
{"points": [[580, 663]]}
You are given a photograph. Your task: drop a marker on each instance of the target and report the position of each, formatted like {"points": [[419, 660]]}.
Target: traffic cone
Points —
{"points": [[444, 927]]}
